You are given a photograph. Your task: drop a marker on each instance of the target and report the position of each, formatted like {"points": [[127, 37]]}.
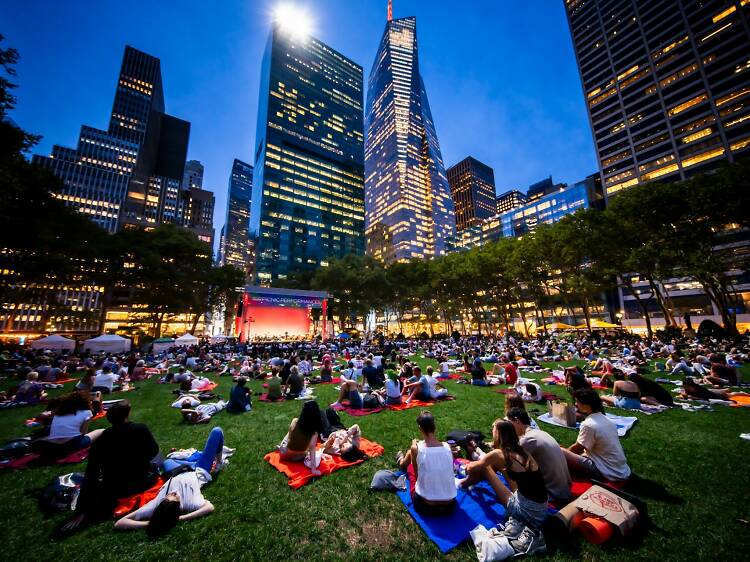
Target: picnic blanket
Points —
{"points": [[136, 501], [623, 423], [207, 387], [299, 475], [478, 506], [740, 400], [545, 395], [334, 380], [32, 458], [449, 376], [420, 403], [344, 406]]}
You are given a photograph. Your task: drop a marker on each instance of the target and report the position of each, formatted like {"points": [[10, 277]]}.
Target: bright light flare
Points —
{"points": [[294, 20]]}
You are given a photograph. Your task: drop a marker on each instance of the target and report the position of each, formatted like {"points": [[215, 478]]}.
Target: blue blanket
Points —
{"points": [[476, 506]]}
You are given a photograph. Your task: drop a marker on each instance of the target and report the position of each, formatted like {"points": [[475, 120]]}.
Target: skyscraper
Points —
{"points": [[472, 191], [510, 200], [236, 235], [97, 172], [308, 186], [667, 85], [193, 176], [408, 207]]}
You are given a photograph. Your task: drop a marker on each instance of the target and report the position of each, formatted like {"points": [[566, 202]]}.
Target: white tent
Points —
{"points": [[54, 343], [186, 340], [107, 342]]}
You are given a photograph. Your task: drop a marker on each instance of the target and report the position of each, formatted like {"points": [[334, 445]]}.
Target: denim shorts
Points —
{"points": [[479, 382], [627, 403], [528, 512]]}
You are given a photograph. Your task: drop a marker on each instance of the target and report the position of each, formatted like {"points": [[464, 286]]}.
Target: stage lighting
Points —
{"points": [[293, 20]]}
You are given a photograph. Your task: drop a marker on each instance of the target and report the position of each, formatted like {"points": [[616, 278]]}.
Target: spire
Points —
{"points": [[390, 10]]}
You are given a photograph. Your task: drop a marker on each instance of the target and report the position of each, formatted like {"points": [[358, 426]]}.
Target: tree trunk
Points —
{"points": [[587, 313], [668, 318], [644, 307], [196, 318]]}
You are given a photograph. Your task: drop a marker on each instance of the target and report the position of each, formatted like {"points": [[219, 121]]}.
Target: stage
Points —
{"points": [[265, 313]]}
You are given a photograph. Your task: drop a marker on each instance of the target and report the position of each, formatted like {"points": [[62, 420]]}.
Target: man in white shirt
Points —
{"points": [[597, 452], [105, 380]]}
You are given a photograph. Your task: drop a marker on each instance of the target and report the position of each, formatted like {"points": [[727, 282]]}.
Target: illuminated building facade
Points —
{"points": [[408, 207], [667, 85], [308, 184], [472, 191], [549, 206], [236, 248], [510, 200]]}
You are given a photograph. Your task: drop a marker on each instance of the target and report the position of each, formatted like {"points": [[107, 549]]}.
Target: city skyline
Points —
{"points": [[552, 107]]}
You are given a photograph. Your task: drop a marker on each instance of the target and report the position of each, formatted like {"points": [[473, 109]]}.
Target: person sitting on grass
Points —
{"points": [[626, 395], [119, 465], [295, 384], [392, 391], [274, 385], [434, 492], [302, 438], [530, 392], [180, 498], [437, 390], [239, 398], [525, 500], [478, 374], [29, 391], [597, 453], [69, 428], [350, 390], [87, 380], [106, 381], [418, 388], [201, 413]]}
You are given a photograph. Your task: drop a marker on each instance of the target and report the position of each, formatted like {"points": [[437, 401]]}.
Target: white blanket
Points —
{"points": [[623, 423]]}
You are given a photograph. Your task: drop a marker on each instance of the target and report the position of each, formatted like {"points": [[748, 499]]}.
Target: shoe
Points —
{"points": [[529, 542], [513, 528], [399, 457]]}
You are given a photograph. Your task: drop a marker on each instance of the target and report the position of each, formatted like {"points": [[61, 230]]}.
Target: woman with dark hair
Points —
{"points": [[69, 429], [691, 390], [434, 490], [180, 498], [301, 440], [597, 452], [651, 392], [87, 380]]}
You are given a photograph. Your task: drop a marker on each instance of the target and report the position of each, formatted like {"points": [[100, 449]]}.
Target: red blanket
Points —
{"points": [[450, 376], [27, 460], [334, 380], [344, 407], [207, 387], [63, 381], [299, 475], [136, 501], [264, 398]]}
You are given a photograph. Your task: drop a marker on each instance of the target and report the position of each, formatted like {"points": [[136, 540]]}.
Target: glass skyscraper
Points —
{"points": [[667, 85], [408, 207], [236, 235], [308, 186], [472, 186]]}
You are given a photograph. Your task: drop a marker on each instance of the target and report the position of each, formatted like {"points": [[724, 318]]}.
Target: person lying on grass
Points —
{"points": [[200, 413], [180, 498], [302, 438], [691, 390], [432, 461], [597, 453]]}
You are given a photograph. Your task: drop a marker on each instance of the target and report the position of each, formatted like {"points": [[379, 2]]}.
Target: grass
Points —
{"points": [[698, 456]]}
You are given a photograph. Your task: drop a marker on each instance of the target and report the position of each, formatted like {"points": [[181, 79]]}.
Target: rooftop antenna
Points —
{"points": [[390, 10]]}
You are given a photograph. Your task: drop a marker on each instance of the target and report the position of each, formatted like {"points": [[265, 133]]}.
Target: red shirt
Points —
{"points": [[511, 373]]}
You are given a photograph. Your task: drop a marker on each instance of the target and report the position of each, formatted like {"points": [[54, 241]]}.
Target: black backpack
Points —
{"points": [[370, 402], [461, 436], [61, 494]]}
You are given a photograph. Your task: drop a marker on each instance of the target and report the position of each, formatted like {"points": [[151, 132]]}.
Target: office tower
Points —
{"points": [[308, 184], [510, 200], [408, 207], [96, 174], [235, 248], [541, 188], [193, 176], [472, 191], [667, 85]]}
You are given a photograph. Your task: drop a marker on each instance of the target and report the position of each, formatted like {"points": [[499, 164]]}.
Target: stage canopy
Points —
{"points": [[186, 340], [279, 313]]}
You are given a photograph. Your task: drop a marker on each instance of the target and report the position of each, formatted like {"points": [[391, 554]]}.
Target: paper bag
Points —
{"points": [[561, 411]]}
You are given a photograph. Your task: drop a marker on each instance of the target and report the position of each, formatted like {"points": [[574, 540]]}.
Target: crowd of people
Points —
{"points": [[524, 465]]}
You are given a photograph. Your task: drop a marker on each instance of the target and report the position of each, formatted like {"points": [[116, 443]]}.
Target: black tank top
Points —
{"points": [[530, 485]]}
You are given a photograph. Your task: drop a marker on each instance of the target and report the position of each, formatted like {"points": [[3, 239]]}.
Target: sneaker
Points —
{"points": [[513, 528], [528, 542], [399, 458]]}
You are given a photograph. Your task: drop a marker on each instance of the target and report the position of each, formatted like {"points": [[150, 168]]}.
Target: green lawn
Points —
{"points": [[697, 456]]}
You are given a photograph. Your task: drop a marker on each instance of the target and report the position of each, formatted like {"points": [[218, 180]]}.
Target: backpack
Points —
{"points": [[370, 402], [61, 494], [15, 448], [461, 436]]}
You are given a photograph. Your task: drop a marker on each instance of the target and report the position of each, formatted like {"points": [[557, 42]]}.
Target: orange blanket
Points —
{"points": [[419, 403], [299, 475], [740, 400], [136, 501]]}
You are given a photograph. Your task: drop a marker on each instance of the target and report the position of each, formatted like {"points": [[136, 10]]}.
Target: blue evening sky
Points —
{"points": [[500, 75]]}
